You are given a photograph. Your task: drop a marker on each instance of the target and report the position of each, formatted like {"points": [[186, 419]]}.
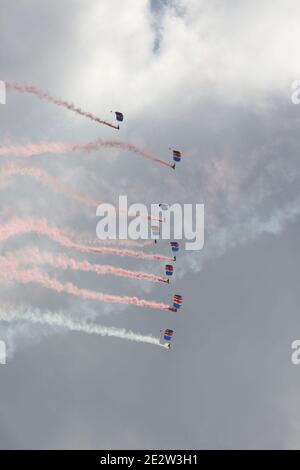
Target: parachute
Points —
{"points": [[174, 246], [169, 270], [155, 232], [177, 301], [168, 335], [176, 155], [164, 206], [119, 116]]}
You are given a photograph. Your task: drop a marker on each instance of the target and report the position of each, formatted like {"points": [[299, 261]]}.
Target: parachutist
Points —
{"points": [[169, 270], [177, 301], [174, 247], [168, 334]]}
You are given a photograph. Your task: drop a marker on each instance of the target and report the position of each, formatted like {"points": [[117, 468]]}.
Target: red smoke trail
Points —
{"points": [[29, 150], [49, 181], [33, 256], [44, 95], [11, 272], [41, 227], [86, 239]]}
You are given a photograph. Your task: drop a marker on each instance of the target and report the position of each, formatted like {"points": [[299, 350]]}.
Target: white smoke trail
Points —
{"points": [[57, 319], [224, 238]]}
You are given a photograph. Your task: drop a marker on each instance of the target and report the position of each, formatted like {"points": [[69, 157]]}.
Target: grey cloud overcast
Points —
{"points": [[214, 79]]}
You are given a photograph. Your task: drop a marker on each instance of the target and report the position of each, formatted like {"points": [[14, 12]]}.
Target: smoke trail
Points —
{"points": [[41, 227], [44, 95], [57, 319], [86, 239], [30, 150], [10, 272], [33, 256], [241, 233], [55, 185], [47, 180]]}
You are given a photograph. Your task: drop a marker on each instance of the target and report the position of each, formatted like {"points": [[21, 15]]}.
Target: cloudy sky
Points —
{"points": [[213, 79]]}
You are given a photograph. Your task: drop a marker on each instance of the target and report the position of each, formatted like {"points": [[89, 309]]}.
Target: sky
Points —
{"points": [[213, 79]]}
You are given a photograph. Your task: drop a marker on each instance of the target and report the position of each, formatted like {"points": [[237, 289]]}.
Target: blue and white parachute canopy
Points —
{"points": [[177, 301], [168, 334], [174, 246], [169, 270]]}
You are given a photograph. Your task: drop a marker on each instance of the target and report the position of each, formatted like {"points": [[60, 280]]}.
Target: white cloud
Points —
{"points": [[240, 52]]}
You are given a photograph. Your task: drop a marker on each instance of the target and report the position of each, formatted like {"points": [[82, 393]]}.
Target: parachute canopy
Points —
{"points": [[155, 230], [119, 116], [164, 206], [168, 335], [174, 246], [177, 301], [176, 155], [155, 233], [169, 269]]}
